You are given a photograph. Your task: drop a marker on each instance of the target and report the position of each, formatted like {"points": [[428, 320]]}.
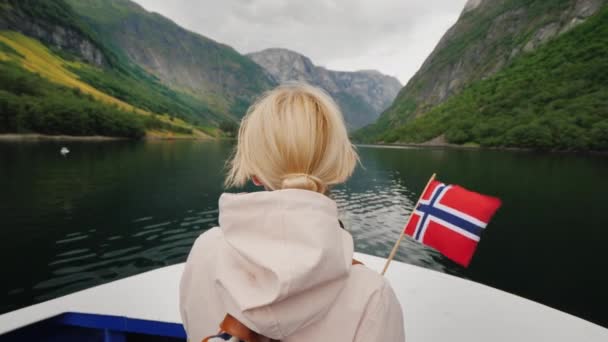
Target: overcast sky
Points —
{"points": [[392, 36]]}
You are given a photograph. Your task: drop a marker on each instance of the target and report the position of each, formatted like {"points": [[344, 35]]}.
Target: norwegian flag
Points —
{"points": [[451, 219]]}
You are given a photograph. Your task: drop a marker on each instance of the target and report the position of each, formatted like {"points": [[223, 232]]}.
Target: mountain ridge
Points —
{"points": [[121, 88], [553, 98], [362, 95], [488, 37], [91, 45], [184, 60]]}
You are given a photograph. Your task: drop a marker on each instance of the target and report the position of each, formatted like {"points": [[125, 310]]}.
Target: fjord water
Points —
{"points": [[113, 209]]}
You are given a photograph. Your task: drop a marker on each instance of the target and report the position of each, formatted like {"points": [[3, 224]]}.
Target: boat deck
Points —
{"points": [[437, 307]]}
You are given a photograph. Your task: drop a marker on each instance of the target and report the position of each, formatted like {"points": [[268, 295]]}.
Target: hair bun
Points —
{"points": [[303, 181]]}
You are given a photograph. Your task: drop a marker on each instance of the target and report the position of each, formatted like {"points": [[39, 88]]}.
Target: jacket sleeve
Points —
{"points": [[199, 315], [382, 320], [184, 290]]}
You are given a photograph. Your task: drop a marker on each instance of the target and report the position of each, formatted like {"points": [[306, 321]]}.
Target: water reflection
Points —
{"points": [[104, 212], [114, 209], [375, 205]]}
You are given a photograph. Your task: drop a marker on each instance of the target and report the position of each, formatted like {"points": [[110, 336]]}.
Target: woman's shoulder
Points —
{"points": [[200, 259], [382, 315], [362, 287], [362, 276], [209, 236], [206, 242], [365, 302]]}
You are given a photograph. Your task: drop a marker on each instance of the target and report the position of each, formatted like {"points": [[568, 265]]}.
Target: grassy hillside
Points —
{"points": [[553, 98], [114, 80], [33, 104], [40, 94], [188, 62], [36, 58]]}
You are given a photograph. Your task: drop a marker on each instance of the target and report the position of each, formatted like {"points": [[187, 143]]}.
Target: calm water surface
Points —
{"points": [[113, 209]]}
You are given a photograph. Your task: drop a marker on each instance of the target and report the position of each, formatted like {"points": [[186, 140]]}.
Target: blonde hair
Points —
{"points": [[293, 137]]}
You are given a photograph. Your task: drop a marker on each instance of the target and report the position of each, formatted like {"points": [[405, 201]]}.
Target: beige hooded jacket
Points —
{"points": [[281, 264]]}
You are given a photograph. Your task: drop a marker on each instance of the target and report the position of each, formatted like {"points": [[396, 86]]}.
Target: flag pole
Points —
{"points": [[396, 246]]}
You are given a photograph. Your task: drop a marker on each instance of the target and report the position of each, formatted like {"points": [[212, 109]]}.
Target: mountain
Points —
{"points": [[362, 95], [94, 57], [504, 68], [183, 60], [46, 54]]}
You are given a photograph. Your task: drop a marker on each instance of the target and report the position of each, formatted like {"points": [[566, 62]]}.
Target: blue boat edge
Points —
{"points": [[86, 327]]}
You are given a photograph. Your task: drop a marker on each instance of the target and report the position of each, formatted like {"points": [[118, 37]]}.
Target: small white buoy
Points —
{"points": [[64, 151]]}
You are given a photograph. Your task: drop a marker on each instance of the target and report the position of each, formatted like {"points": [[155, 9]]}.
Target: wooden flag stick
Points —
{"points": [[394, 251]]}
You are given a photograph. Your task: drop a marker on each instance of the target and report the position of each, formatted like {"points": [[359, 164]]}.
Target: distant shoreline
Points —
{"points": [[426, 145], [438, 142], [13, 137], [478, 148], [47, 137]]}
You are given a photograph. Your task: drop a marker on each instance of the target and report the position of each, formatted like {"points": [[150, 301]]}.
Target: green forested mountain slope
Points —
{"points": [[37, 79], [86, 48], [31, 103], [40, 93], [555, 97], [78, 59], [186, 61], [489, 36], [58, 25]]}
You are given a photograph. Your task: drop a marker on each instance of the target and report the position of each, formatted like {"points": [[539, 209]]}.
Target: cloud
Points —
{"points": [[392, 36]]}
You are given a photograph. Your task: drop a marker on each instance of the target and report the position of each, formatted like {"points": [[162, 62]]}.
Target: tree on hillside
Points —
{"points": [[229, 127]]}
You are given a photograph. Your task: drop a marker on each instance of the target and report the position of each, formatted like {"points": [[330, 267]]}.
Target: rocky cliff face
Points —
{"points": [[362, 95], [61, 35], [488, 35]]}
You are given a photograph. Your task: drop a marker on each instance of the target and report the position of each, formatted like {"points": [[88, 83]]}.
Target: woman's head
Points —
{"points": [[293, 138]]}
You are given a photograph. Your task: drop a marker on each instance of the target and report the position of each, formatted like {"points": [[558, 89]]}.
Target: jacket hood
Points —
{"points": [[284, 261]]}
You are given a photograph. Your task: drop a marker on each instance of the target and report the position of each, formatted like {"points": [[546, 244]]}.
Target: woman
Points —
{"points": [[279, 263]]}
